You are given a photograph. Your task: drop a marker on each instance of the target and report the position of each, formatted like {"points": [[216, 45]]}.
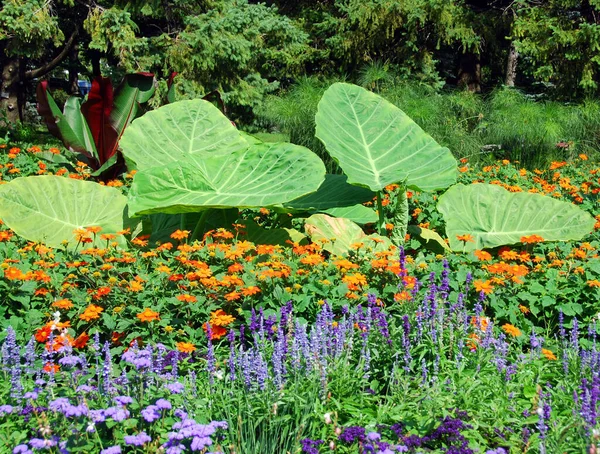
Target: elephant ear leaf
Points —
{"points": [[259, 176], [49, 208], [487, 215], [177, 131], [376, 144], [340, 235]]}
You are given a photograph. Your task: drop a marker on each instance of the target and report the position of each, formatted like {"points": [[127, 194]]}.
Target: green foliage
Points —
{"points": [[377, 144], [560, 41], [238, 48], [405, 32], [25, 25], [50, 209], [493, 216]]}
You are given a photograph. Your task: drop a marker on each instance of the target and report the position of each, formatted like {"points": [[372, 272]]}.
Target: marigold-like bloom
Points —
{"points": [[92, 312], [186, 298], [483, 255], [480, 322], [511, 330], [531, 239], [180, 234], [185, 347], [51, 368], [81, 340], [548, 354], [524, 309], [136, 286], [12, 274], [148, 315], [483, 286], [63, 304], [249, 291], [94, 229], [465, 238], [233, 296], [594, 283], [402, 296], [5, 235], [217, 332], [220, 318]]}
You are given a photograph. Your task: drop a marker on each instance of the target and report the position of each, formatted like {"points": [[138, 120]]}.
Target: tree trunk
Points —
{"points": [[469, 72], [10, 92], [511, 66], [74, 71]]}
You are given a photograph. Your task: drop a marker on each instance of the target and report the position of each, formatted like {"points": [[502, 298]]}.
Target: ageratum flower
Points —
{"points": [[137, 440]]}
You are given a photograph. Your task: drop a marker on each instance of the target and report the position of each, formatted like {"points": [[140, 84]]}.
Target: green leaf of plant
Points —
{"points": [[176, 131], [260, 176], [48, 208], [334, 192], [429, 239], [356, 213], [78, 126], [135, 89], [339, 235], [260, 235], [494, 217], [377, 144]]}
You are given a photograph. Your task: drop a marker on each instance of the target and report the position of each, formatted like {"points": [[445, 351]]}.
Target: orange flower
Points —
{"points": [[485, 287], [180, 234], [185, 347], [511, 330], [5, 235], [594, 283], [249, 291], [483, 255], [480, 322], [51, 368], [186, 298], [63, 304], [148, 315], [465, 238], [220, 318], [81, 340], [12, 274], [531, 239], [403, 296], [548, 354], [43, 333], [524, 309], [92, 312], [217, 332], [94, 229], [233, 296]]}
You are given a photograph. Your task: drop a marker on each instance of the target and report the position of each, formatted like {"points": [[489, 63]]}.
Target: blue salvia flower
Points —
{"points": [[231, 337], [406, 342], [575, 335], [210, 355]]}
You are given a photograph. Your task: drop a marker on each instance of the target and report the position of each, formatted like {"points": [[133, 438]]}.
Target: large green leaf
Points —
{"points": [[259, 176], [339, 235], [49, 208], [494, 217], [334, 192], [377, 144], [175, 131]]}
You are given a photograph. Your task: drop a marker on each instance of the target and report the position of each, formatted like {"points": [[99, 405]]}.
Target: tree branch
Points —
{"points": [[45, 69]]}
